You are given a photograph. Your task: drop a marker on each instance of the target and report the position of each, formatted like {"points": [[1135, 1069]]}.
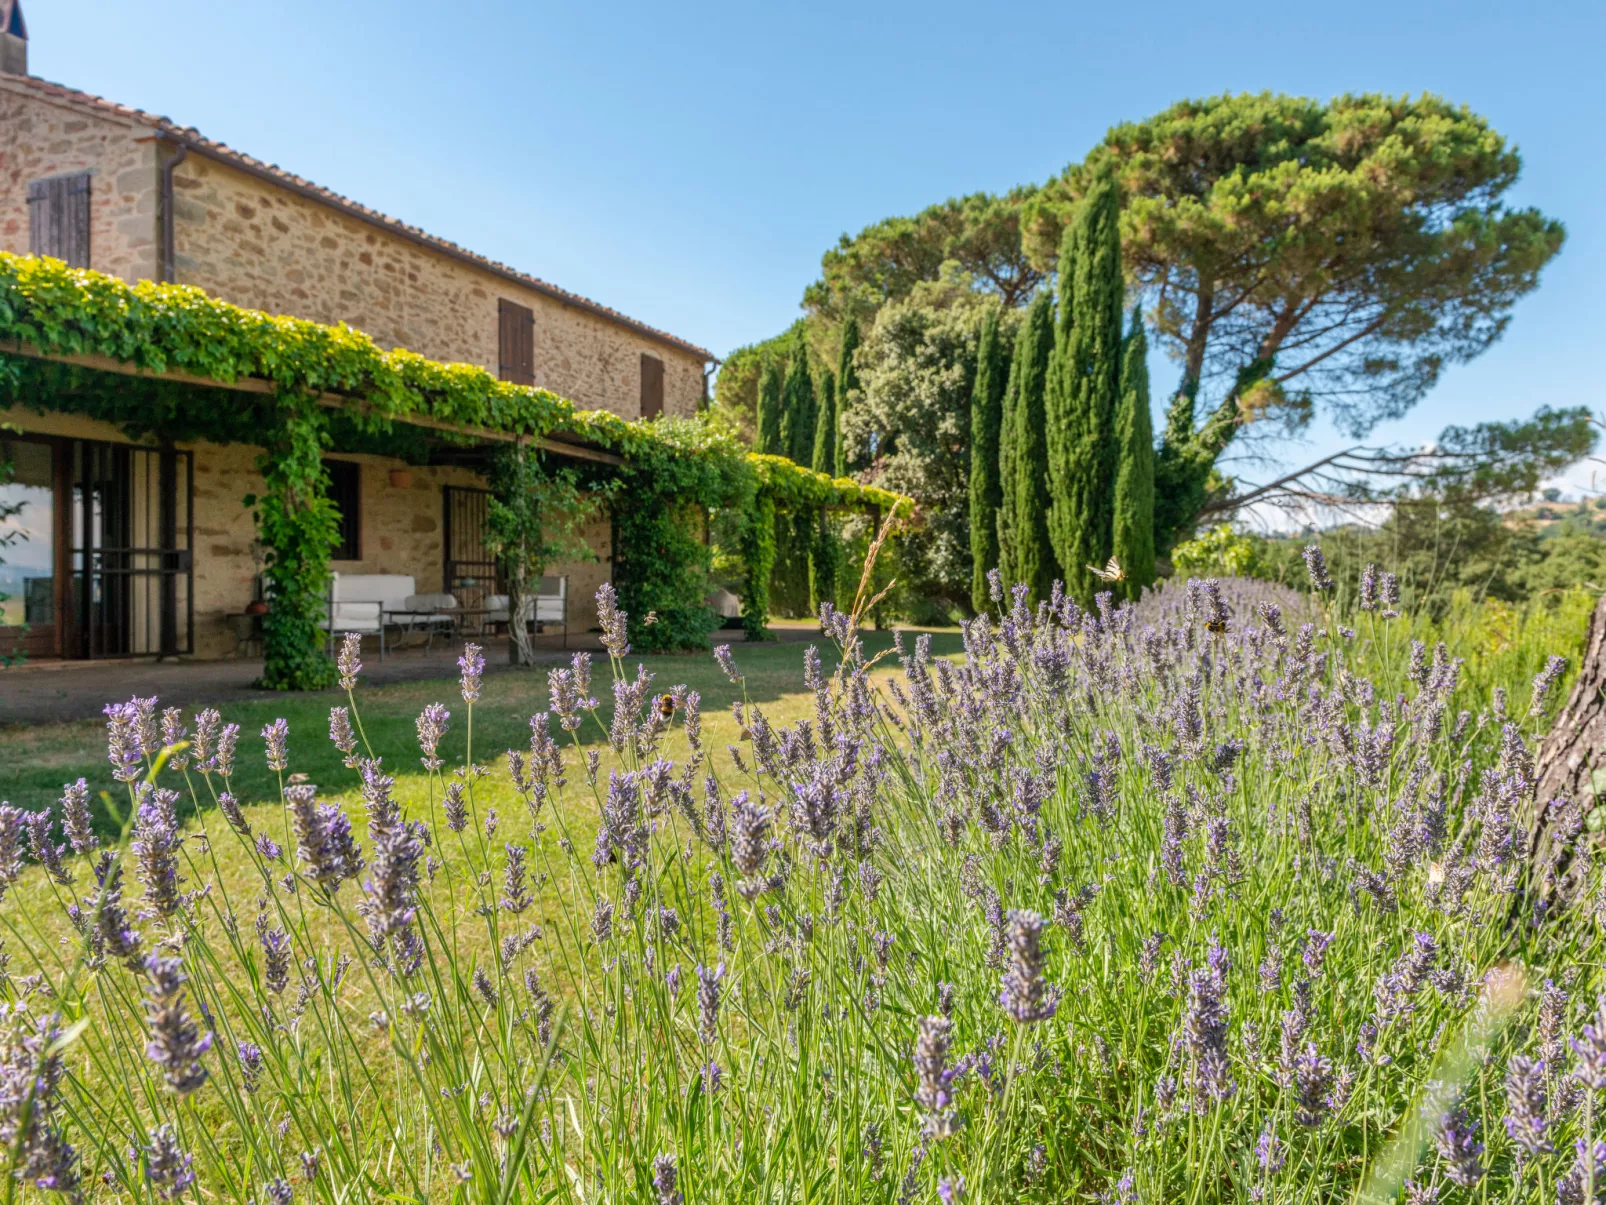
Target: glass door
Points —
{"points": [[29, 549]]}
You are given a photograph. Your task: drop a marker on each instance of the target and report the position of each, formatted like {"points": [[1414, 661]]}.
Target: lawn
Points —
{"points": [[35, 761]]}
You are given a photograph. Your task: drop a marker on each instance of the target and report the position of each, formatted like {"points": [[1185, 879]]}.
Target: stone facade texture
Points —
{"points": [[40, 138]]}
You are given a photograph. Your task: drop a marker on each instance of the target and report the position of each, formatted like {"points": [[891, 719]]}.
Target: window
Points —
{"points": [[652, 386], [516, 339], [58, 218], [345, 491]]}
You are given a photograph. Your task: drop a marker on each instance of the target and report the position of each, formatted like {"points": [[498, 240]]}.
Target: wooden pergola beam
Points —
{"points": [[333, 401]]}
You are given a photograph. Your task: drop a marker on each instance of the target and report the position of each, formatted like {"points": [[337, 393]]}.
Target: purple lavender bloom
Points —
{"points": [[324, 843], [391, 886], [472, 665], [515, 892], [951, 1190], [341, 734], [456, 807], [1457, 1140], [113, 935], [1025, 997], [1590, 1050], [432, 725], [615, 629], [1545, 682], [277, 1191], [727, 663], [1316, 568], [1205, 1033], [277, 736], [1313, 1075], [1526, 1099], [155, 843], [276, 955], [664, 1174], [44, 850], [250, 1065], [167, 1166], [31, 1071], [349, 661], [123, 746], [1269, 1151], [1588, 1169], [708, 1000], [76, 821], [1315, 952], [176, 1042], [933, 1079], [1368, 599]]}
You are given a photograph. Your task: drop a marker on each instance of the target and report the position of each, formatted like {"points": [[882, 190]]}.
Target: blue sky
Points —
{"points": [[688, 163]]}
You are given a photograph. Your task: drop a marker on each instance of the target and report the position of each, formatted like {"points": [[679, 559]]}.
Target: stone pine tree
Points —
{"points": [[1023, 516], [824, 554], [847, 380], [1084, 389], [986, 489], [769, 408], [1133, 531]]}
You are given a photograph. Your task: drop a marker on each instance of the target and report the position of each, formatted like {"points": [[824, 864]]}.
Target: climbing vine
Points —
{"points": [[673, 471]]}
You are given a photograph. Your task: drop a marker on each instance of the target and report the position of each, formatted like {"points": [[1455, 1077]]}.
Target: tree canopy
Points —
{"points": [[1359, 245], [981, 234]]}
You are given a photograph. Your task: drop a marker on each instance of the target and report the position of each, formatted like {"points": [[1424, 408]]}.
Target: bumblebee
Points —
{"points": [[666, 705], [1216, 626]]}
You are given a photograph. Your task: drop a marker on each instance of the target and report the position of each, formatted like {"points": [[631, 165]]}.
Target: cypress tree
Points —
{"points": [[1008, 559], [824, 555], [1133, 535], [1024, 518], [769, 409], [986, 490], [797, 408], [1084, 389], [847, 379]]}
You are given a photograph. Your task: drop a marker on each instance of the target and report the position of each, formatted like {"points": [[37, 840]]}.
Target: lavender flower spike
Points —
{"points": [[176, 1044], [1526, 1119], [613, 621], [277, 736], [1025, 997], [167, 1166], [1545, 682], [432, 725], [472, 665], [123, 747], [349, 661], [664, 1176], [1316, 566], [75, 817]]}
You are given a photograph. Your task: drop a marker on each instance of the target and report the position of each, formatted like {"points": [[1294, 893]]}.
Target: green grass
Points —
{"points": [[36, 760]]}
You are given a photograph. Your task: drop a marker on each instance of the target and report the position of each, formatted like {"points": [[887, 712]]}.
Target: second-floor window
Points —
{"points": [[652, 386], [516, 340], [58, 218], [345, 491]]}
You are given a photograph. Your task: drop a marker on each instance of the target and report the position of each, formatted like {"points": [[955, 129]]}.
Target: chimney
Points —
{"points": [[13, 39]]}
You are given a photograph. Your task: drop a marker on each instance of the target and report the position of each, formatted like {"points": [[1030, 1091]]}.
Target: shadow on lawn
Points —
{"points": [[36, 761]]}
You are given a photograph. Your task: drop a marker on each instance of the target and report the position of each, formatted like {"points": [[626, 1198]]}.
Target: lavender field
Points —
{"points": [[1222, 896]]}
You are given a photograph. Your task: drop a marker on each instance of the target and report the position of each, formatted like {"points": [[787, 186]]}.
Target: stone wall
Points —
{"points": [[259, 245], [40, 138], [401, 529]]}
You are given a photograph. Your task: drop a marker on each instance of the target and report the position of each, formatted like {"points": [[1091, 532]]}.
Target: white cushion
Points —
{"points": [[427, 604], [390, 590]]}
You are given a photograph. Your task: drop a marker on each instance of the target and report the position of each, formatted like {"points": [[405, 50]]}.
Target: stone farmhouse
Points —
{"points": [[144, 550]]}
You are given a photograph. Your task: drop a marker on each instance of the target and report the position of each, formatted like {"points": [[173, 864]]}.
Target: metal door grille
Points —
{"points": [[471, 571], [133, 533]]}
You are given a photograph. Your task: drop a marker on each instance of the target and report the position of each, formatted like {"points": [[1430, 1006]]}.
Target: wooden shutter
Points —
{"points": [[58, 218], [652, 386], [516, 340]]}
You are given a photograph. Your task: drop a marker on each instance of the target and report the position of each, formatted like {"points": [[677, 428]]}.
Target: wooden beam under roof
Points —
{"points": [[334, 401]]}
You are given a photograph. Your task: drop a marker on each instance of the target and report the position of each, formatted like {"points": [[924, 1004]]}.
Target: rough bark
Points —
{"points": [[1568, 758]]}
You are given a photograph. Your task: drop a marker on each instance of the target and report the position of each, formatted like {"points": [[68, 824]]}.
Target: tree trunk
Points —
{"points": [[1568, 759]]}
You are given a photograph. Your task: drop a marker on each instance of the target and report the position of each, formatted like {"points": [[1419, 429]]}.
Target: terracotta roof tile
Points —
{"points": [[195, 140]]}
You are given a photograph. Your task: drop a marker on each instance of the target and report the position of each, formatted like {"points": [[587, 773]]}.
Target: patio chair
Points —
{"points": [[432, 614]]}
